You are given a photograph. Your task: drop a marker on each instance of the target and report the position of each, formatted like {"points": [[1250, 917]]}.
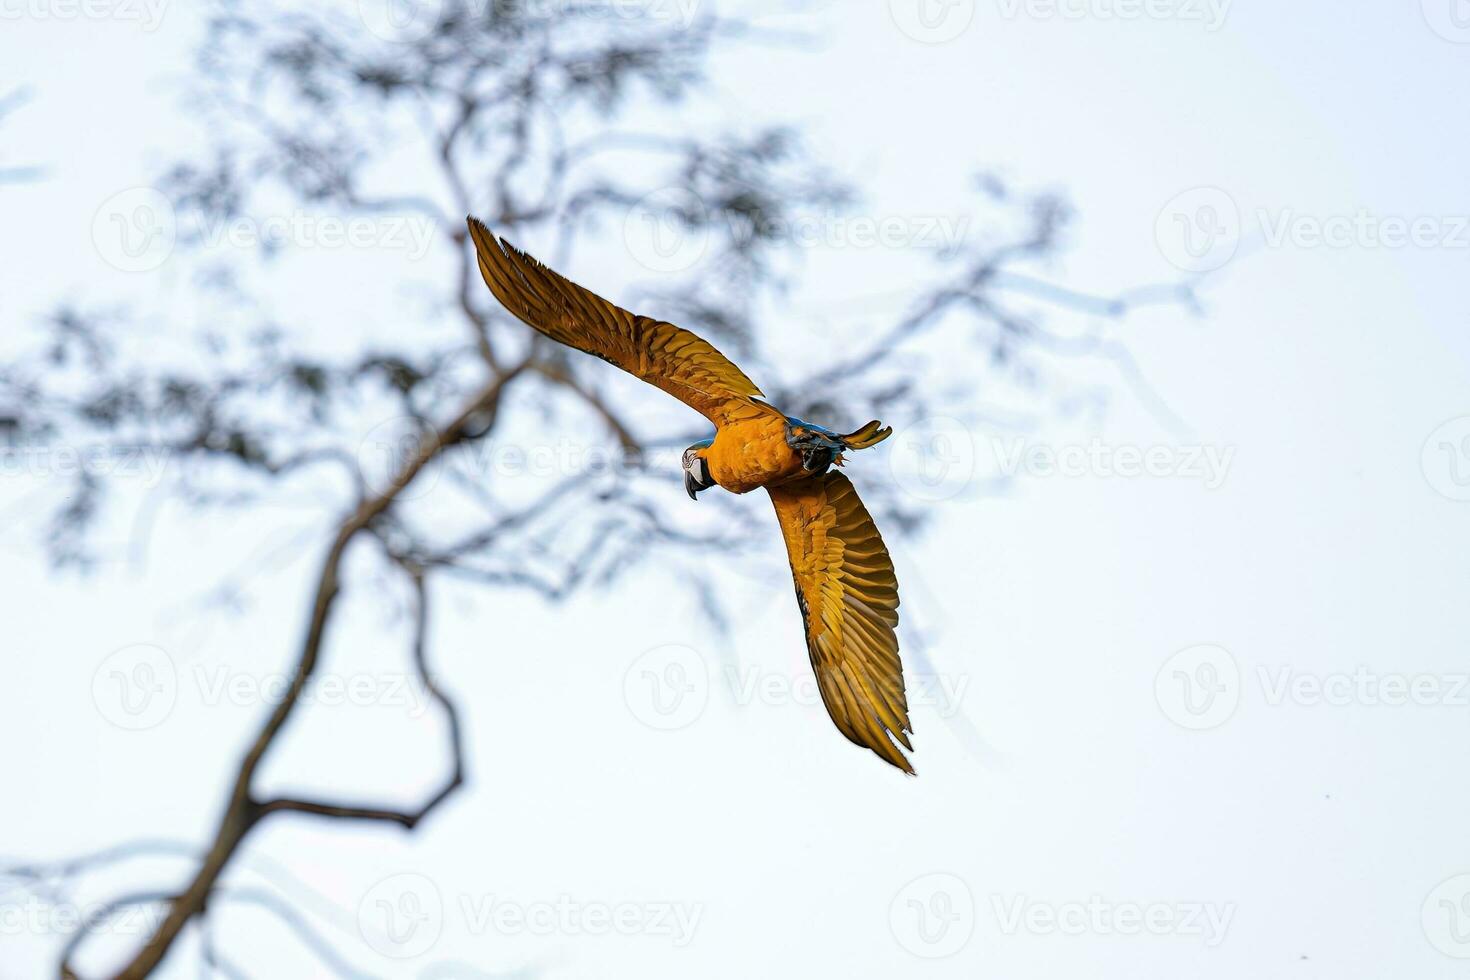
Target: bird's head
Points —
{"points": [[696, 468]]}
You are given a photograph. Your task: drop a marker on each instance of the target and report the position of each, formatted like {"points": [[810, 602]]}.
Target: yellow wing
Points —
{"points": [[849, 604], [660, 353]]}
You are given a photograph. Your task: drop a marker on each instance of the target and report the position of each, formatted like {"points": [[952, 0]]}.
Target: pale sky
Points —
{"points": [[1205, 720]]}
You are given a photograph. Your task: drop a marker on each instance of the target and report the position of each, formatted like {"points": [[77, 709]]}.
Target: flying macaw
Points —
{"points": [[844, 578]]}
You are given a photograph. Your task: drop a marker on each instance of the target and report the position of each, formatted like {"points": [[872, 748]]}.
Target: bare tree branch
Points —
{"points": [[408, 819], [242, 811]]}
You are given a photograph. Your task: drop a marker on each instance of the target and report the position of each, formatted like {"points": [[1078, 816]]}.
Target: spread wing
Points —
{"points": [[849, 604], [660, 353]]}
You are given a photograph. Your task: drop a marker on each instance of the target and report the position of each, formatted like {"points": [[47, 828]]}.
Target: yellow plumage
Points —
{"points": [[844, 578]]}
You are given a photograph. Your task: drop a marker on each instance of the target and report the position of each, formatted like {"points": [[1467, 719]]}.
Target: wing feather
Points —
{"points": [[667, 357], [848, 596]]}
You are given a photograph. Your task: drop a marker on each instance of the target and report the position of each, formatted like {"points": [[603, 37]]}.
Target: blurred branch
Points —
{"points": [[283, 910], [408, 819], [242, 811], [8, 103], [97, 917]]}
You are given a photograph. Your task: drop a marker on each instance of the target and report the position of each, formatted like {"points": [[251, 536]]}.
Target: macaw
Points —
{"points": [[844, 578]]}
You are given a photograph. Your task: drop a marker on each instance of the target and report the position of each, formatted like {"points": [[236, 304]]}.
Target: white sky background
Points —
{"points": [[1321, 832]]}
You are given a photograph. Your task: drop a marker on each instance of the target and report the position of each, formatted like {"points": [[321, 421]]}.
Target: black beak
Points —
{"points": [[690, 485]]}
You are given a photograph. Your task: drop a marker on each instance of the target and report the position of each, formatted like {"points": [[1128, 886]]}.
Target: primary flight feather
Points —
{"points": [[844, 578]]}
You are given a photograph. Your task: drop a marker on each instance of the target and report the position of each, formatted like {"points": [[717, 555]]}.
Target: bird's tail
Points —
{"points": [[869, 435]]}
